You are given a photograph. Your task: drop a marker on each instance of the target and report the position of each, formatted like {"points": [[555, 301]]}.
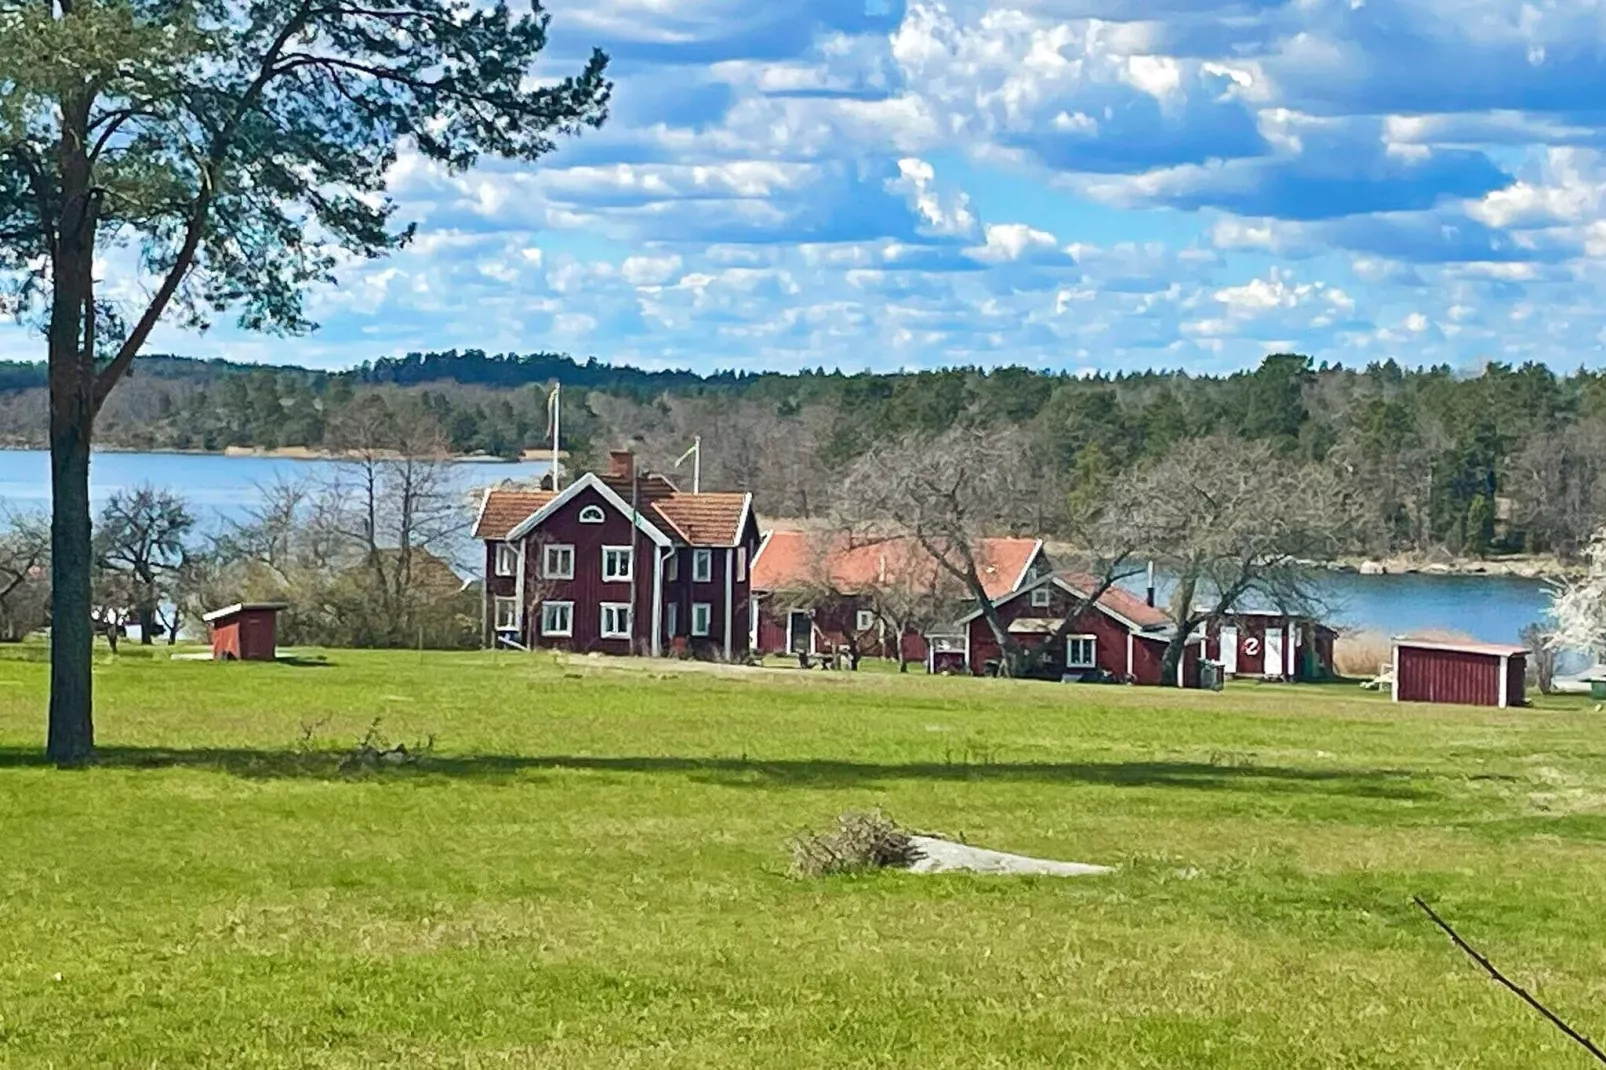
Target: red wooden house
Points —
{"points": [[619, 563], [1467, 674], [813, 592], [1271, 645], [1120, 637]]}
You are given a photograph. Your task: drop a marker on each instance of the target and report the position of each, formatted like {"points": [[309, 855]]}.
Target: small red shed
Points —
{"points": [[1467, 674], [245, 631]]}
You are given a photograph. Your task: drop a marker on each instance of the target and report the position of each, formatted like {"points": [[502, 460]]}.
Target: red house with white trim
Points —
{"points": [[1120, 637], [1271, 645], [622, 563], [816, 591]]}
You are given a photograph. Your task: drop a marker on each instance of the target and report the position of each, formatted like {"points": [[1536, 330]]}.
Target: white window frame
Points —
{"points": [[509, 604], [551, 632], [1042, 598], [592, 514], [1092, 642], [705, 611], [702, 566], [550, 573], [507, 559], [616, 632], [630, 564], [741, 564], [672, 567], [672, 619], [864, 620]]}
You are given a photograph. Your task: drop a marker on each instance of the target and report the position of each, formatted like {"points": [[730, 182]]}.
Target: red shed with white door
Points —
{"points": [[1467, 674]]}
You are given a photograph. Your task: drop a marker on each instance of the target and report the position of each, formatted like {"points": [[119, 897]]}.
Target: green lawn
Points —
{"points": [[590, 872]]}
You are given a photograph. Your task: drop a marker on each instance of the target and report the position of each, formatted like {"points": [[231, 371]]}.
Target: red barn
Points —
{"points": [[1120, 637], [1466, 674], [245, 631], [619, 564], [816, 591], [1271, 645]]}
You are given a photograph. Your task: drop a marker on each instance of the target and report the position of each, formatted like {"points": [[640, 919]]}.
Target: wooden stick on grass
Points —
{"points": [[1489, 968]]}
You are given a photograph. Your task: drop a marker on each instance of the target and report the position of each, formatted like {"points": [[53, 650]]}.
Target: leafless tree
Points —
{"points": [[144, 535], [1231, 521], [24, 574]]}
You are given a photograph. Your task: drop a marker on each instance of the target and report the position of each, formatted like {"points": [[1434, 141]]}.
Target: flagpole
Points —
{"points": [[557, 421], [697, 466]]}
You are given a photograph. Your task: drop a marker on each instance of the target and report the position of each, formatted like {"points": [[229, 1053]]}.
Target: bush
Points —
{"points": [[861, 842]]}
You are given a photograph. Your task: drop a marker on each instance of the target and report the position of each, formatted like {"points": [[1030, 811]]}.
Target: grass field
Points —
{"points": [[590, 871]]}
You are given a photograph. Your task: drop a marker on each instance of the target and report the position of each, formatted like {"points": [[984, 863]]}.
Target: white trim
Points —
{"points": [[730, 596], [546, 560], [790, 613], [858, 619], [702, 554], [1130, 640], [1048, 597], [741, 522], [241, 607], [1505, 680], [589, 480], [630, 552], [479, 514], [968, 668], [518, 585], [657, 603], [567, 633], [502, 601], [1394, 689], [592, 514], [752, 624], [602, 617], [672, 624], [1026, 569], [763, 541], [1094, 640], [742, 566], [708, 620], [512, 551], [1054, 578]]}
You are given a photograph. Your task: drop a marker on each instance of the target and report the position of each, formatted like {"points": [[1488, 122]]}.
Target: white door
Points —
{"points": [[1229, 651], [1274, 653]]}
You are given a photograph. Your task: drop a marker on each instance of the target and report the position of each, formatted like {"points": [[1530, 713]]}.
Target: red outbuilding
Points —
{"points": [[1467, 674], [245, 631]]}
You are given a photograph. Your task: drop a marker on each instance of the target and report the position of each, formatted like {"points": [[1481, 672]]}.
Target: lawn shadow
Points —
{"points": [[815, 773]]}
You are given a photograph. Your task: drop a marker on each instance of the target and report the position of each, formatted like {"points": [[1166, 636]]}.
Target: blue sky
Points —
{"points": [[1079, 184]]}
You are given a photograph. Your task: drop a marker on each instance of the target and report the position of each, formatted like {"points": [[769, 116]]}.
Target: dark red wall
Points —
{"points": [[250, 635], [1109, 648], [1455, 676]]}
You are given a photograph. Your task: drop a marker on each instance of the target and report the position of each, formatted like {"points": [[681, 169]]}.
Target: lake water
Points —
{"points": [[1490, 608]]}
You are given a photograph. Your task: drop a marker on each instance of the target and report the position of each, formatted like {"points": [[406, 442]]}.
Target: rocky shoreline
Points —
{"points": [[1527, 568]]}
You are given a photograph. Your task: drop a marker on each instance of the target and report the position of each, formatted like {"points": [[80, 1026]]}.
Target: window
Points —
{"points": [[557, 563], [507, 559], [702, 566], [701, 614], [1042, 596], [741, 564], [672, 571], [864, 620], [507, 614], [591, 514], [1079, 652], [616, 620], [617, 562], [557, 618], [672, 620]]}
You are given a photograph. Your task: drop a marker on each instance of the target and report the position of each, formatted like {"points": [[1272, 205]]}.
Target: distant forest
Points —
{"points": [[1510, 460]]}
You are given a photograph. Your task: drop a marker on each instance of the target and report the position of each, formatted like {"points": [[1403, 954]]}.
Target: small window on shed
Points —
{"points": [[591, 514]]}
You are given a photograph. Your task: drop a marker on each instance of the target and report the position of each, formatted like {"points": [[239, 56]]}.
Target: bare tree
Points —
{"points": [[24, 574], [1231, 521], [1542, 656], [144, 535]]}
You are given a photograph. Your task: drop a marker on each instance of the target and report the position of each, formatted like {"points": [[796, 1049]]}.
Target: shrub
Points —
{"points": [[860, 842]]}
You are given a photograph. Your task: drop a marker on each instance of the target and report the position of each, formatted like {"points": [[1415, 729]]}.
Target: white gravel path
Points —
{"points": [[945, 856]]}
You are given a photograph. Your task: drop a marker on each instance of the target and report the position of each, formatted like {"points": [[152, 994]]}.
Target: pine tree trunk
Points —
{"points": [[72, 731]]}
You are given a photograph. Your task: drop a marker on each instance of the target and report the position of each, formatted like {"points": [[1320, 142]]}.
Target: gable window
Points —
{"points": [[1042, 596], [741, 564], [557, 562], [864, 620], [701, 614], [672, 619], [591, 514], [616, 620], [1080, 652], [507, 559], [507, 614], [617, 564], [557, 618], [672, 567], [702, 566]]}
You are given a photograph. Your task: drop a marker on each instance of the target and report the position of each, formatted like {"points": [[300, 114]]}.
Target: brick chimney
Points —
{"points": [[621, 464]]}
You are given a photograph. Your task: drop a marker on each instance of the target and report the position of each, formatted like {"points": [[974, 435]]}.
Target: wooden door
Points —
{"points": [[1274, 664], [1229, 651]]}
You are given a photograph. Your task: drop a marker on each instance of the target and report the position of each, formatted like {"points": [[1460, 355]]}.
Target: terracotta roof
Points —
{"points": [[1499, 650], [1119, 600], [791, 560], [697, 519]]}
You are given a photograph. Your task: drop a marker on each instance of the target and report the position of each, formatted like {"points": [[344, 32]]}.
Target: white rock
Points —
{"points": [[945, 856], [1372, 568]]}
